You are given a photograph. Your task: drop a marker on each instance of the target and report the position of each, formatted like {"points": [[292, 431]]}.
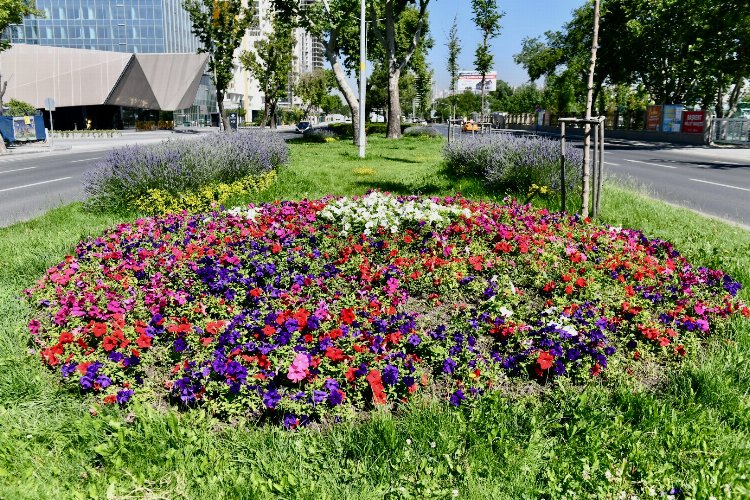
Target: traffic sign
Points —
{"points": [[49, 104]]}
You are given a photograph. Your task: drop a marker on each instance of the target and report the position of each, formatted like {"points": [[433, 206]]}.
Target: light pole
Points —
{"points": [[362, 67]]}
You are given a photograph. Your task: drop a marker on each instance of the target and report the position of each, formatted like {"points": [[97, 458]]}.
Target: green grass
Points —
{"points": [[691, 430]]}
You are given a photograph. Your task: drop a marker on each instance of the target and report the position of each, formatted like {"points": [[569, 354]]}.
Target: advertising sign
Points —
{"points": [[24, 128], [693, 122], [472, 80], [653, 117], [672, 118]]}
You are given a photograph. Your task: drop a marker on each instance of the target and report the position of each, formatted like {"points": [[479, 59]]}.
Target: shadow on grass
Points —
{"points": [[399, 160], [401, 187]]}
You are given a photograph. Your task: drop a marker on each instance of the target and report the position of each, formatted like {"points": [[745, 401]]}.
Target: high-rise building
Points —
{"points": [[134, 26]]}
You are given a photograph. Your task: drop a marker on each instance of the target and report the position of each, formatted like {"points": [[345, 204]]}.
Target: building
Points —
{"points": [[243, 91], [113, 26]]}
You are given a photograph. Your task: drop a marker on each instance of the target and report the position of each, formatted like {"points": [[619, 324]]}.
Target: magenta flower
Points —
{"points": [[298, 368]]}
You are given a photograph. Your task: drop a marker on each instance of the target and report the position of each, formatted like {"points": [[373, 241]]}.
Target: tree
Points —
{"points": [[332, 104], [220, 26], [20, 108], [589, 102], [311, 88], [405, 26], [454, 50], [334, 23], [270, 64], [487, 18]]}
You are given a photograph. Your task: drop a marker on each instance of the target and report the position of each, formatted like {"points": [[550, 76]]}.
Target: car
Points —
{"points": [[470, 126], [302, 126]]}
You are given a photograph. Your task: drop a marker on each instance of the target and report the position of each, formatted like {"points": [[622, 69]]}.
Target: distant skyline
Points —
{"points": [[522, 19]]}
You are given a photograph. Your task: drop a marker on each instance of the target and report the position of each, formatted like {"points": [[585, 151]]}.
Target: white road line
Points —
{"points": [[613, 164], [722, 185], [35, 184], [16, 170], [654, 164], [86, 159]]}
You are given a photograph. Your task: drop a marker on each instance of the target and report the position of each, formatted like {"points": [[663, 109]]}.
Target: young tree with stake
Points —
{"points": [[487, 19]]}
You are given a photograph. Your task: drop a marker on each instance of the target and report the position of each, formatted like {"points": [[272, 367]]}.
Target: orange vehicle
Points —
{"points": [[471, 126]]}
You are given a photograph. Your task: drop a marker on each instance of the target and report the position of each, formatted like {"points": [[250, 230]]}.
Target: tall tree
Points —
{"points": [[392, 22], [334, 23], [454, 50], [312, 88], [270, 63], [487, 19], [219, 25]]}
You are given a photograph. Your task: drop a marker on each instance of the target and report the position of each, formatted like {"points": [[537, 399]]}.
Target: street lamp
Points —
{"points": [[362, 67]]}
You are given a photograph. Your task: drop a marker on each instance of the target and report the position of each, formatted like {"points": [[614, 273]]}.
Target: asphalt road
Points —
{"points": [[712, 181]]}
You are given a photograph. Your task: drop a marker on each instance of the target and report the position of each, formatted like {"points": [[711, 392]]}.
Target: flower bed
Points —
{"points": [[321, 308]]}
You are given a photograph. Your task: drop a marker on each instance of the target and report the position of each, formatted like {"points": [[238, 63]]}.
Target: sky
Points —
{"points": [[523, 18]]}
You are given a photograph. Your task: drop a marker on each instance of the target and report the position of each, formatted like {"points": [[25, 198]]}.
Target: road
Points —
{"points": [[712, 181]]}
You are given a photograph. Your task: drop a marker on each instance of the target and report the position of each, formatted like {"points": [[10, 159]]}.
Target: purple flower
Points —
{"points": [[390, 375], [124, 396], [336, 397], [457, 397], [449, 365], [271, 398]]}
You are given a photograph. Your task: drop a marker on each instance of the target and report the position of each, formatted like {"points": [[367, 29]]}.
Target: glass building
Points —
{"points": [[134, 26]]}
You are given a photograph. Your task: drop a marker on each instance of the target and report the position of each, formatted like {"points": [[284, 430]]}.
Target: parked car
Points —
{"points": [[302, 126], [471, 126]]}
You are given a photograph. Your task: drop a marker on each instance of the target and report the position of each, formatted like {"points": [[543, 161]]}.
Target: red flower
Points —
{"points": [[350, 375], [334, 354], [680, 350], [110, 399], [545, 360], [581, 282], [143, 341], [99, 329], [347, 316], [596, 370], [65, 338], [109, 343], [269, 330]]}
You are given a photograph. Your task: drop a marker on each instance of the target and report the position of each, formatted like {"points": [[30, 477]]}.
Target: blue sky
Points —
{"points": [[522, 18]]}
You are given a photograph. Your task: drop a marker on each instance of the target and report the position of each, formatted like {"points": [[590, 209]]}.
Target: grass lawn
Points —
{"points": [[687, 434]]}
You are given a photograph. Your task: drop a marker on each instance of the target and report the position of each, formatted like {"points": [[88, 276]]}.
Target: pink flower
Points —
{"points": [[298, 369]]}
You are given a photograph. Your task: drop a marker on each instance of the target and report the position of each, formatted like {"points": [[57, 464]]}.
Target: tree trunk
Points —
{"points": [[273, 125], [266, 109], [222, 112], [734, 96], [394, 102], [338, 72], [3, 87], [587, 127]]}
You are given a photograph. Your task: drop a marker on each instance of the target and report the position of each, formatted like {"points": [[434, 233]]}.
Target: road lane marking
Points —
{"points": [[86, 159], [613, 164], [35, 184], [16, 170], [654, 164], [722, 185]]}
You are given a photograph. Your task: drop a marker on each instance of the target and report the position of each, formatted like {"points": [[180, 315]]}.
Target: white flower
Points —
{"points": [[506, 312], [454, 493]]}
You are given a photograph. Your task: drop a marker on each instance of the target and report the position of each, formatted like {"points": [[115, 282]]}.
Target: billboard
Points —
{"points": [[693, 122], [24, 128], [672, 118], [472, 80], [653, 117]]}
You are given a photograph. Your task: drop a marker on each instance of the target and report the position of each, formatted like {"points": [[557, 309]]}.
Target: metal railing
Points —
{"points": [[730, 130]]}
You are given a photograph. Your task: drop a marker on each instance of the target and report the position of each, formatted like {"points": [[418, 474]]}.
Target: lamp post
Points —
{"points": [[362, 67]]}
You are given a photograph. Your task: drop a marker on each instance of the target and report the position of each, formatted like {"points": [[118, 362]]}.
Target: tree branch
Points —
{"points": [[417, 34]]}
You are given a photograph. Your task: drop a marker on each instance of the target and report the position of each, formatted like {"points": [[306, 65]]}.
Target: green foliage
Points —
{"points": [[220, 27], [270, 64], [13, 12], [312, 88], [20, 108], [333, 104], [454, 50], [487, 19]]}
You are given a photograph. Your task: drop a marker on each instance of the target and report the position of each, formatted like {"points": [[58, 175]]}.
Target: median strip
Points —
{"points": [[722, 185], [654, 164], [35, 184]]}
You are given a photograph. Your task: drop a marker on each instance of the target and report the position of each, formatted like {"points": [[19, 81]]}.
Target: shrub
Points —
{"points": [[345, 129], [515, 162], [322, 308], [319, 135], [180, 166], [421, 131]]}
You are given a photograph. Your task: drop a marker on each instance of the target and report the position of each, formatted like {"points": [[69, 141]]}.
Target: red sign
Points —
{"points": [[653, 117], [693, 122]]}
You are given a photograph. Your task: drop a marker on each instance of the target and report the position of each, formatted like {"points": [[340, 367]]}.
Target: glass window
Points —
{"points": [[73, 12], [60, 11]]}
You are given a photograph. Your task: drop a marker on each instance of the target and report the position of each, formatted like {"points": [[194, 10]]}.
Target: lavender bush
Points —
{"points": [[514, 162], [177, 166], [422, 131]]}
